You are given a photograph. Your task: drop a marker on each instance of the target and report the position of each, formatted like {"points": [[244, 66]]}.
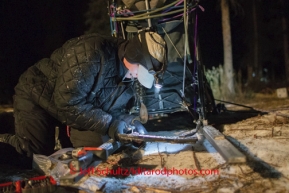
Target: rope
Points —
{"points": [[186, 46], [272, 111], [256, 109], [150, 15], [172, 43]]}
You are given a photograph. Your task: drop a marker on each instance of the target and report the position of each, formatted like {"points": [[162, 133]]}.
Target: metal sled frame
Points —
{"points": [[125, 23], [193, 95]]}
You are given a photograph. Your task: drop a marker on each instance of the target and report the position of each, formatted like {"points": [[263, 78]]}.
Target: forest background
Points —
{"points": [[257, 56]]}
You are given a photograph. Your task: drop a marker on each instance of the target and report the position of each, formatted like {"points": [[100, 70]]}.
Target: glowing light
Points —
{"points": [[158, 147]]}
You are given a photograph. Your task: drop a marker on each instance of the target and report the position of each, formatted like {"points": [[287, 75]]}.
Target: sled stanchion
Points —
{"points": [[148, 8]]}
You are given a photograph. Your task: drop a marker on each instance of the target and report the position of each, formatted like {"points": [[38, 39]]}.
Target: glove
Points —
{"points": [[139, 128], [125, 124], [133, 122], [115, 128]]}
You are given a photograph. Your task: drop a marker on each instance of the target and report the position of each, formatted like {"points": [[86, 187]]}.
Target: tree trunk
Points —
{"points": [[227, 43], [285, 44], [256, 67]]}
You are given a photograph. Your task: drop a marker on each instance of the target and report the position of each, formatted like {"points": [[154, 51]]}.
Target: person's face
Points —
{"points": [[132, 69]]}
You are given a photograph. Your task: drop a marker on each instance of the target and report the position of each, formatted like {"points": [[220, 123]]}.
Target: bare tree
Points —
{"points": [[253, 66], [256, 40], [227, 44], [285, 40]]}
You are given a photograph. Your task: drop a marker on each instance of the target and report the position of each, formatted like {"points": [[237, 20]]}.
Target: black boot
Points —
{"points": [[7, 150], [14, 149], [20, 144], [4, 138]]}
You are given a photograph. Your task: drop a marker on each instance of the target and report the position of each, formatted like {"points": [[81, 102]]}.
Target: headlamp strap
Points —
{"points": [[146, 53]]}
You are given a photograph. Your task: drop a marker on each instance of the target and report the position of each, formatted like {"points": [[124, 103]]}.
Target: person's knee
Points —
{"points": [[86, 138], [34, 134]]}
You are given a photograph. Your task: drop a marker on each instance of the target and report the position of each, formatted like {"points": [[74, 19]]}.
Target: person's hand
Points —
{"points": [[133, 123], [139, 128], [115, 128], [125, 123]]}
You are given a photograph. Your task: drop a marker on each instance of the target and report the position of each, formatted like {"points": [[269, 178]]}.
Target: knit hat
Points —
{"points": [[149, 50]]}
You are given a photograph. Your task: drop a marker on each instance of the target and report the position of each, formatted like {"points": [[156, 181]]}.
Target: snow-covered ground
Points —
{"points": [[263, 139], [165, 167]]}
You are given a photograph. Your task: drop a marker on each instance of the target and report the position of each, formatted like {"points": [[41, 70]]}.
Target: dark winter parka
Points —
{"points": [[76, 82]]}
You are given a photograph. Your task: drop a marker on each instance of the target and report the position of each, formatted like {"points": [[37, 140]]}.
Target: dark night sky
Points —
{"points": [[210, 33], [31, 30]]}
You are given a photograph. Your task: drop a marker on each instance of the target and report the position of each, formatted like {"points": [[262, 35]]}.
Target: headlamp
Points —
{"points": [[158, 82]]}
